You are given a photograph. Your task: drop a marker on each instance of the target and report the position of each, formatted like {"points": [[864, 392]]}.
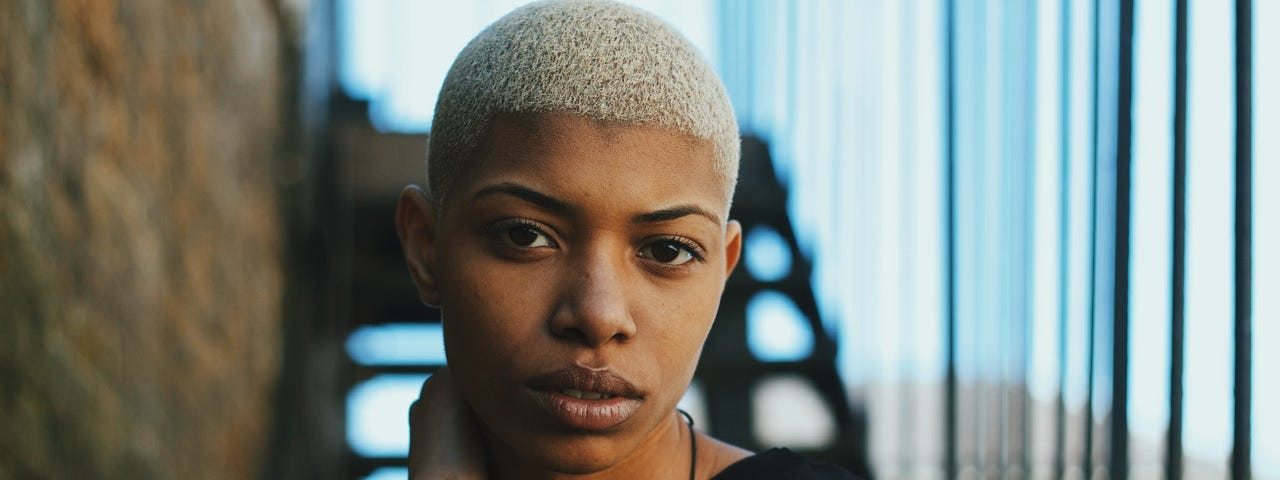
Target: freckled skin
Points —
{"points": [[528, 288]]}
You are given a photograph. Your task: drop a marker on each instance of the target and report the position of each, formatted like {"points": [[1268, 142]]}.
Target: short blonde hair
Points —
{"points": [[597, 59]]}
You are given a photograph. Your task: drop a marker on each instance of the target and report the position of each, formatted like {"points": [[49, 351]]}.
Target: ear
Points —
{"points": [[416, 224], [732, 246]]}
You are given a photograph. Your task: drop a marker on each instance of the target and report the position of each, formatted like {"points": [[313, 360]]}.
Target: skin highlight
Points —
{"points": [[570, 243]]}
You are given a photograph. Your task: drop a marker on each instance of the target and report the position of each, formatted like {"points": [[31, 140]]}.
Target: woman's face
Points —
{"points": [[579, 267]]}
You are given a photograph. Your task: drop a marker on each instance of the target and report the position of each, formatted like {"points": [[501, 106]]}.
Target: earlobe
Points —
{"points": [[732, 246], [416, 224]]}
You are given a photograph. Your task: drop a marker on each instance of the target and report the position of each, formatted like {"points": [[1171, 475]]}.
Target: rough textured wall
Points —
{"points": [[140, 243]]}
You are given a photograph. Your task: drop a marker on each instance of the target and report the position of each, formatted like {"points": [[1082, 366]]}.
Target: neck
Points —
{"points": [[662, 454]]}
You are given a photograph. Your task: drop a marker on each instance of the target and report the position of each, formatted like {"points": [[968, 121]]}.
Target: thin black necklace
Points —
{"points": [[693, 444]]}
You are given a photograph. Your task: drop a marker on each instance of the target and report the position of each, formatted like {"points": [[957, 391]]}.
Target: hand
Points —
{"points": [[444, 440]]}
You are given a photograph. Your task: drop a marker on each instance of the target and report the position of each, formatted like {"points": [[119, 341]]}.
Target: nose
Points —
{"points": [[596, 309]]}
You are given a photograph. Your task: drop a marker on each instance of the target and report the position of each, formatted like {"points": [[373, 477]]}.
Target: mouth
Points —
{"points": [[586, 400], [585, 395]]}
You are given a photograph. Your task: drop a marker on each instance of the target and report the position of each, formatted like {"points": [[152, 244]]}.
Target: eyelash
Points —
{"points": [[505, 227], [497, 230], [695, 250]]}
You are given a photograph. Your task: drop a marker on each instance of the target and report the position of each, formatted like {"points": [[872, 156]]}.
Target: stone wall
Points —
{"points": [[140, 238]]}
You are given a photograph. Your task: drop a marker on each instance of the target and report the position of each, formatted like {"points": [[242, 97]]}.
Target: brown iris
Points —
{"points": [[523, 236]]}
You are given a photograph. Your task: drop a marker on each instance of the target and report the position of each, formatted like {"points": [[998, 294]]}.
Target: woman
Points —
{"points": [[575, 236]]}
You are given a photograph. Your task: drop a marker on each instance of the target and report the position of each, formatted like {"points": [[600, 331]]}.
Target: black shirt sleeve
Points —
{"points": [[780, 463]]}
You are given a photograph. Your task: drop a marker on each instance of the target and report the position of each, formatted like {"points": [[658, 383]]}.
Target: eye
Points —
{"points": [[671, 252], [525, 236]]}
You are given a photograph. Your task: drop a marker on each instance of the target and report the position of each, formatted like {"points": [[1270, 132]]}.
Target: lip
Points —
{"points": [[582, 414]]}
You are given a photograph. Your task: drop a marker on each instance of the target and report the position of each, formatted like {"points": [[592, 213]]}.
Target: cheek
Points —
{"points": [[679, 328], [491, 310]]}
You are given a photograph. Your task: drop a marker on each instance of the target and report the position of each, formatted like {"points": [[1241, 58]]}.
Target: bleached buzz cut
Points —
{"points": [[597, 59]]}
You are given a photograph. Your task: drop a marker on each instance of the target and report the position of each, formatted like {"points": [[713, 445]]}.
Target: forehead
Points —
{"points": [[582, 159], [557, 133]]}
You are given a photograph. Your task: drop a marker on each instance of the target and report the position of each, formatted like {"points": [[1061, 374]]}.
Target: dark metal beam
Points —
{"points": [[1119, 459], [1240, 449], [1173, 439], [952, 432]]}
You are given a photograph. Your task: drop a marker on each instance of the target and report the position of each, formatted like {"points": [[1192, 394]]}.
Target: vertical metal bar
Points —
{"points": [[1173, 440], [1119, 460], [1093, 248], [1060, 446], [1240, 450], [952, 432]]}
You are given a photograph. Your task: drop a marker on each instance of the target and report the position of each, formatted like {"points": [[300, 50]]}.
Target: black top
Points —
{"points": [[780, 463]]}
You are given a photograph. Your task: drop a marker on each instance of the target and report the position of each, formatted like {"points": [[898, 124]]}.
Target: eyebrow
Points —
{"points": [[527, 194], [668, 214], [558, 206]]}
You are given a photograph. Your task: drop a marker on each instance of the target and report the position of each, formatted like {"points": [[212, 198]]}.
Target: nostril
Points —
{"points": [[591, 330], [570, 333]]}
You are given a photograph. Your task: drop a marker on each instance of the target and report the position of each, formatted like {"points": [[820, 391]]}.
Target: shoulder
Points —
{"points": [[780, 463]]}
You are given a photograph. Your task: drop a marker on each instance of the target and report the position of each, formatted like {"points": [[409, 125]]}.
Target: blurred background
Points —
{"points": [[985, 239]]}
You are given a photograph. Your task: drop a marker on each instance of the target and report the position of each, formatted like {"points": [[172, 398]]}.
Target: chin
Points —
{"points": [[579, 454]]}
